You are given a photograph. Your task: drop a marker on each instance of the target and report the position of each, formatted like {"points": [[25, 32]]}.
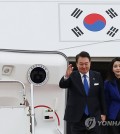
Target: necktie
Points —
{"points": [[86, 84], [86, 90]]}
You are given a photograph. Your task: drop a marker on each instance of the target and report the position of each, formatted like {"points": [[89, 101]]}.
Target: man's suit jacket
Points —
{"points": [[77, 98], [112, 96]]}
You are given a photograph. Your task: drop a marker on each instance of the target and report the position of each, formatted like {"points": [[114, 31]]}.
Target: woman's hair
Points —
{"points": [[111, 74]]}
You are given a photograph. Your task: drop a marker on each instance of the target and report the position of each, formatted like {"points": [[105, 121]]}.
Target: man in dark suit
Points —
{"points": [[85, 96]]}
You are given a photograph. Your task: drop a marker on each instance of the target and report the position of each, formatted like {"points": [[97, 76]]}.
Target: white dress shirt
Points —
{"points": [[87, 77]]}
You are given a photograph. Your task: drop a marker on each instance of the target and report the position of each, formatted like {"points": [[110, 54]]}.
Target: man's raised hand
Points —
{"points": [[69, 71]]}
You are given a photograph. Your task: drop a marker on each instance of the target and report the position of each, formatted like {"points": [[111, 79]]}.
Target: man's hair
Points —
{"points": [[83, 54]]}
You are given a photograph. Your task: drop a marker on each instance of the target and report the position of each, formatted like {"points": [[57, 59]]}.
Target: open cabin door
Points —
{"points": [[31, 101]]}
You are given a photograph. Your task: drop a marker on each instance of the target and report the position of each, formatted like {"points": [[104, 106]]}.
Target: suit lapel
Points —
{"points": [[92, 79]]}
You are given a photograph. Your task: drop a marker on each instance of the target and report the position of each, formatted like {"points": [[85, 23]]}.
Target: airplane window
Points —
{"points": [[38, 75]]}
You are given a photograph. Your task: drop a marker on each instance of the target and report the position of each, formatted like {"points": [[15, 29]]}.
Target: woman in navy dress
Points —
{"points": [[112, 93]]}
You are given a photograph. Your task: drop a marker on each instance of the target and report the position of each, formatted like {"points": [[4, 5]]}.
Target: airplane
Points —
{"points": [[38, 39]]}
